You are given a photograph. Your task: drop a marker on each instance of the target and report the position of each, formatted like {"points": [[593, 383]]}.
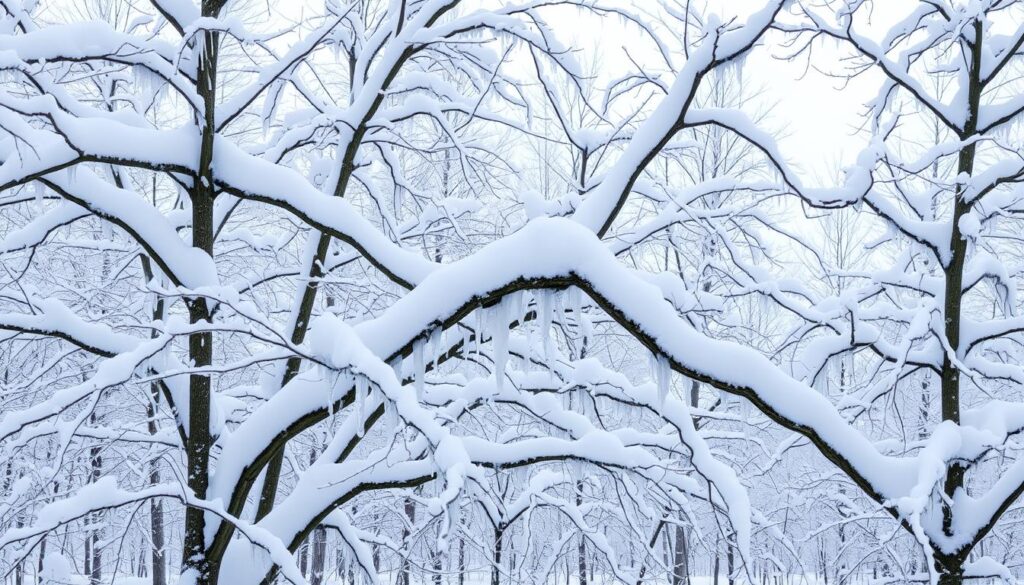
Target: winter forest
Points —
{"points": [[531, 292]]}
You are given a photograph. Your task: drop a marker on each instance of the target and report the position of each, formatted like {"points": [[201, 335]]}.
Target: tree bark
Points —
{"points": [[462, 561], [680, 562], [200, 344], [954, 273], [94, 552], [158, 561], [581, 551], [496, 567], [404, 572], [730, 564], [319, 545]]}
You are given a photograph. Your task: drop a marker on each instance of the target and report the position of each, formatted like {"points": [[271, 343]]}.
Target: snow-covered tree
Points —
{"points": [[243, 265], [400, 289]]}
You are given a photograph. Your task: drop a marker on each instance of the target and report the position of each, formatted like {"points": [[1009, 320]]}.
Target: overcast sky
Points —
{"points": [[814, 116]]}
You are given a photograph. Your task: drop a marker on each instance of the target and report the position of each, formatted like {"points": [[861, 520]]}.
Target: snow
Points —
{"points": [[799, 362]]}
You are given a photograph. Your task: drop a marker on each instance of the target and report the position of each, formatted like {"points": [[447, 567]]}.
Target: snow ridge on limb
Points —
{"points": [[551, 252]]}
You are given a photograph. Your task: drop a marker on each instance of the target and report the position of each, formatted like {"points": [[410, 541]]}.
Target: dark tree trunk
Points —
{"points": [[200, 344], [581, 551], [94, 553], [680, 562], [462, 561], [156, 507], [42, 555], [730, 564], [437, 568], [316, 571], [410, 513], [499, 532]]}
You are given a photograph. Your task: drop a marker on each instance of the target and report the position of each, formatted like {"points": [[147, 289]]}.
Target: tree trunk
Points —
{"points": [[496, 567], [404, 572], [87, 556], [730, 564], [158, 556], [680, 562], [304, 559], [42, 556], [954, 272], [581, 551], [156, 506], [200, 344], [94, 552], [437, 568], [462, 561], [316, 571]]}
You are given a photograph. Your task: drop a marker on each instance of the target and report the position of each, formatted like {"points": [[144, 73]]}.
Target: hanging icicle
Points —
{"points": [[516, 305], [499, 337], [479, 330], [576, 306], [419, 366], [546, 308], [390, 415], [339, 381], [664, 374], [398, 366], [436, 345], [362, 395]]}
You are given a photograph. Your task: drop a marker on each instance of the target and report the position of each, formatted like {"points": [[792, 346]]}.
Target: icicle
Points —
{"points": [[362, 394], [343, 380], [576, 305], [530, 334], [399, 203], [199, 49], [390, 416], [436, 346], [517, 304], [652, 363], [72, 173], [664, 377], [499, 334], [733, 68], [546, 311], [398, 366], [479, 330], [420, 367], [141, 79]]}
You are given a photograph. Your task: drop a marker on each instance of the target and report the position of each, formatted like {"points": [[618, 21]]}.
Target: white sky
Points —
{"points": [[814, 117]]}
